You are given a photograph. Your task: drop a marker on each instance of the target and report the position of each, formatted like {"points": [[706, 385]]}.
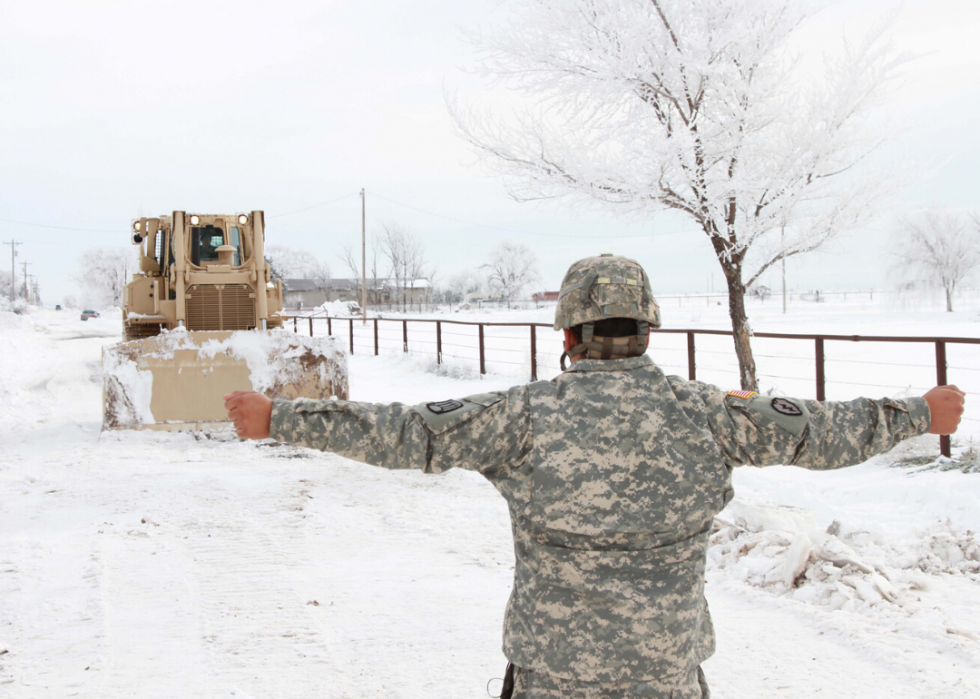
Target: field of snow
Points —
{"points": [[168, 565]]}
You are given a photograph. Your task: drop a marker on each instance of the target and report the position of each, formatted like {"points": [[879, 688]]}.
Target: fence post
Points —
{"points": [[295, 330], [375, 337], [405, 336], [352, 336], [311, 326], [483, 354], [821, 378], [534, 354], [691, 371], [438, 342], [329, 327], [945, 447]]}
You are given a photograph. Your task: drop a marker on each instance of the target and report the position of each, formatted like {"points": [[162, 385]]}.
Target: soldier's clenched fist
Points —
{"points": [[251, 412], [946, 406]]}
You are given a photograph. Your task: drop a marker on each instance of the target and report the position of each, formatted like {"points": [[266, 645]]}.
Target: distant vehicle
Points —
{"points": [[90, 314], [57, 307]]}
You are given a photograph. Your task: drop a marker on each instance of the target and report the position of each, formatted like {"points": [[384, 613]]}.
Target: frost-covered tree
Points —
{"points": [[406, 258], [942, 247], [699, 106], [5, 282], [512, 268], [104, 272], [291, 263], [455, 289]]}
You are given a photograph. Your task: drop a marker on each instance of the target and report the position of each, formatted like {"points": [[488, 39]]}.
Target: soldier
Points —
{"points": [[613, 473]]}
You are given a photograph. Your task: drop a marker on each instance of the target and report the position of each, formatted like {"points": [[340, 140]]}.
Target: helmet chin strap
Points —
{"points": [[596, 347]]}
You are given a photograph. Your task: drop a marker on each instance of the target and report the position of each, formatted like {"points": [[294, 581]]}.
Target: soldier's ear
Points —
{"points": [[570, 339]]}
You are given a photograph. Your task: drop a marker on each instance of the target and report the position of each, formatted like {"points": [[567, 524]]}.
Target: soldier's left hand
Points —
{"points": [[251, 412], [946, 406]]}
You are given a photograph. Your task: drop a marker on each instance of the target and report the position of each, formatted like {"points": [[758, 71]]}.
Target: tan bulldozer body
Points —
{"points": [[203, 318]]}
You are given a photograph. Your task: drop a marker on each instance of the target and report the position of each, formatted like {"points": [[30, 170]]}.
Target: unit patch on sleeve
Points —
{"points": [[743, 394], [786, 407], [445, 406]]}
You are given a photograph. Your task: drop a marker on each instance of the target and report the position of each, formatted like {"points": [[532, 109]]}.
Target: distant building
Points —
{"points": [[542, 296], [477, 297], [309, 293]]}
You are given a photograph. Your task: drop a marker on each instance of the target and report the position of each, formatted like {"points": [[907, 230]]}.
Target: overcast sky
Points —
{"points": [[113, 109]]}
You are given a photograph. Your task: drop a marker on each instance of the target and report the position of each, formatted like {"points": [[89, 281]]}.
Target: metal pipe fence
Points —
{"points": [[519, 344]]}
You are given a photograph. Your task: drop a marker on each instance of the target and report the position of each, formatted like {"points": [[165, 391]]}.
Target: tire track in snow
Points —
{"points": [[249, 564], [152, 616]]}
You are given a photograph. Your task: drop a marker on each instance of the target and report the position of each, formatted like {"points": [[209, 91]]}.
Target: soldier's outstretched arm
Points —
{"points": [[483, 432], [764, 430]]}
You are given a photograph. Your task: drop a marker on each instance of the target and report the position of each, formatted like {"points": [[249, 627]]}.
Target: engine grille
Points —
{"points": [[220, 307]]}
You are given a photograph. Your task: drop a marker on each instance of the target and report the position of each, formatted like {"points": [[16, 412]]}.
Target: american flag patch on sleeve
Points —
{"points": [[743, 394]]}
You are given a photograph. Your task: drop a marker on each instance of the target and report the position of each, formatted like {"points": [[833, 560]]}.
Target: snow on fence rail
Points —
{"points": [[500, 347]]}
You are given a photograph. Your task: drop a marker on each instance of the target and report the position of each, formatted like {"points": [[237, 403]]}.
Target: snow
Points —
{"points": [[159, 565], [338, 308]]}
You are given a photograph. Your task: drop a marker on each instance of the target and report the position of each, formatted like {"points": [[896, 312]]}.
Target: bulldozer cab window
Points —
{"points": [[205, 242], [236, 240]]}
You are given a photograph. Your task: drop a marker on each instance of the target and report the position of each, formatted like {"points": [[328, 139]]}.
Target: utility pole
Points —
{"points": [[363, 259], [13, 271], [25, 279], [783, 241]]}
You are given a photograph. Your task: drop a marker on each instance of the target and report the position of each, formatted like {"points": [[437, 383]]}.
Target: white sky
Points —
{"points": [[111, 109]]}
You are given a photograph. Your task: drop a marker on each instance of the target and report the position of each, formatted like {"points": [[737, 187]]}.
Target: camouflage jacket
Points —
{"points": [[613, 473]]}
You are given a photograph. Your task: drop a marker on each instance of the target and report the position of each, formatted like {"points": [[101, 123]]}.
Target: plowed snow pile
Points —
{"points": [[781, 550], [28, 364]]}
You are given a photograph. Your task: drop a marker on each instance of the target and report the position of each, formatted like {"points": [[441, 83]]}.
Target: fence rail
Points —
{"points": [[819, 345]]}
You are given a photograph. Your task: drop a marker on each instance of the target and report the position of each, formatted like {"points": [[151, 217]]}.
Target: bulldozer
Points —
{"points": [[202, 318]]}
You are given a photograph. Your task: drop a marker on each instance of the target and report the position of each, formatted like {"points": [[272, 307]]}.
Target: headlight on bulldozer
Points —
{"points": [[243, 219], [195, 219], [137, 225]]}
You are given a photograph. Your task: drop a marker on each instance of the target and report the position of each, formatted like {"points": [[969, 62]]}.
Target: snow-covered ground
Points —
{"points": [[166, 565]]}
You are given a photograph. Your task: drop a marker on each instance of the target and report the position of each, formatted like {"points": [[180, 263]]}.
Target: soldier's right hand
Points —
{"points": [[946, 406]]}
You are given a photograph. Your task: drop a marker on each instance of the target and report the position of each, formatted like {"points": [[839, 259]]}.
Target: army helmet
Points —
{"points": [[607, 286]]}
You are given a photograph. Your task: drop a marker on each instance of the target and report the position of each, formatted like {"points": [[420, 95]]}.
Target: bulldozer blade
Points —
{"points": [[177, 380]]}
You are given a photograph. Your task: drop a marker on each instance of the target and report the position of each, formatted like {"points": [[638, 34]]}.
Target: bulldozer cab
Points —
{"points": [[205, 243]]}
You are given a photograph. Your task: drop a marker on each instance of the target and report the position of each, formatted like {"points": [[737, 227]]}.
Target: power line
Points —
{"points": [[514, 230], [323, 203], [62, 228]]}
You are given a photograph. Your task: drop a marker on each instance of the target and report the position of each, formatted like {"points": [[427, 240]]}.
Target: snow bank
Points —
{"points": [[26, 361], [779, 549]]}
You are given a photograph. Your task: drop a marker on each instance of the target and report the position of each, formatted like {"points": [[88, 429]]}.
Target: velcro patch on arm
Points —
{"points": [[790, 414], [440, 416], [443, 407], [743, 394]]}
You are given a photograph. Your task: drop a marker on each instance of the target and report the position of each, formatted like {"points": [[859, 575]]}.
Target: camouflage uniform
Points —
{"points": [[612, 472]]}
